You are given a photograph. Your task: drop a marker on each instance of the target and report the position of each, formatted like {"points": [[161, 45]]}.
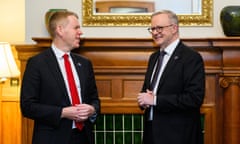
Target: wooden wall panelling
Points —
{"points": [[120, 64], [208, 134], [212, 109], [10, 116], [11, 121], [119, 74], [120, 92]]}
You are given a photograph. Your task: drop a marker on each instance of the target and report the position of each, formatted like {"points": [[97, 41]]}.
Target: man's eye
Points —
{"points": [[153, 28], [158, 28]]}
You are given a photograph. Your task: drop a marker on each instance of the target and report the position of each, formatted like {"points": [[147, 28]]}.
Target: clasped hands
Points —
{"points": [[80, 112], [145, 99]]}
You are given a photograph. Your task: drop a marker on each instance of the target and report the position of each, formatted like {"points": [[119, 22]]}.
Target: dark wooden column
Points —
{"points": [[230, 82], [231, 118]]}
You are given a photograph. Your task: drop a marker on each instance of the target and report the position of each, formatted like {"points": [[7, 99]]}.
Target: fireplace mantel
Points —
{"points": [[120, 64]]}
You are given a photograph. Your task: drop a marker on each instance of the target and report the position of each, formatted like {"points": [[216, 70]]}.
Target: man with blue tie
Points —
{"points": [[174, 86]]}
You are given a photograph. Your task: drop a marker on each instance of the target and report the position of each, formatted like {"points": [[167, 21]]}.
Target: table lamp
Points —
{"points": [[8, 66]]}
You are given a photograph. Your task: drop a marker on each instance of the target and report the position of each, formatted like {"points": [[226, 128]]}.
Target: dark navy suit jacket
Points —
{"points": [[180, 94], [44, 94]]}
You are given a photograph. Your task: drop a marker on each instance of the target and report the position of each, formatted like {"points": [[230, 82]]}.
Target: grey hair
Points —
{"points": [[171, 15]]}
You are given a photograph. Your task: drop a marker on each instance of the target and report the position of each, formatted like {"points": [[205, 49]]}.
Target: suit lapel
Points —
{"points": [[154, 60], [53, 66], [176, 56], [80, 70], [150, 69]]}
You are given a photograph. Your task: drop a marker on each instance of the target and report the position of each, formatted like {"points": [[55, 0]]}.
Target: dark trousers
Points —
{"points": [[78, 137], [147, 134]]}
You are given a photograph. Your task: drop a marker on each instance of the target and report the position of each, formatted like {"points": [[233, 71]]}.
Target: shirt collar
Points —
{"points": [[59, 53], [169, 49]]}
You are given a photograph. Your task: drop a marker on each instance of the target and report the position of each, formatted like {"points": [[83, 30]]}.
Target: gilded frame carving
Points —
{"points": [[91, 19]]}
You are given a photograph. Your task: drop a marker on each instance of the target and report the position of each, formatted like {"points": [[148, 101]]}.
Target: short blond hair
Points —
{"points": [[56, 18]]}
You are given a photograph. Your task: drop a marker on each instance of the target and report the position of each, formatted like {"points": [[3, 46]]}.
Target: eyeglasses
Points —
{"points": [[158, 28]]}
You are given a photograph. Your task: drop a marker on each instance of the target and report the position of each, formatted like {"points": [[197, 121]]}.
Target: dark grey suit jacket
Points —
{"points": [[44, 94], [180, 94]]}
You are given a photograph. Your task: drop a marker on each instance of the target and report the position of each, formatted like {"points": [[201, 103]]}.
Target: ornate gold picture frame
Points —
{"points": [[90, 18]]}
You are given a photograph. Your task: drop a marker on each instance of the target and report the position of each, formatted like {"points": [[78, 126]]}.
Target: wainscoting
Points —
{"points": [[10, 115], [119, 66]]}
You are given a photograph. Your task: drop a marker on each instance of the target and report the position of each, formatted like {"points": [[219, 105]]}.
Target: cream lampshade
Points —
{"points": [[8, 67]]}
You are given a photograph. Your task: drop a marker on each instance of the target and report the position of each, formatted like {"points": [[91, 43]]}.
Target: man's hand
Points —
{"points": [[145, 99], [78, 113]]}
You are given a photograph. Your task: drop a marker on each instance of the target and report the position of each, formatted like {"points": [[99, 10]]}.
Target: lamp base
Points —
{"points": [[2, 80]]}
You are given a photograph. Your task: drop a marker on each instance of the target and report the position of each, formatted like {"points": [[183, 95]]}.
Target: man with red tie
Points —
{"points": [[58, 88], [174, 87]]}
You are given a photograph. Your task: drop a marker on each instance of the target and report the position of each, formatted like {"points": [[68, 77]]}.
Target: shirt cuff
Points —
{"points": [[155, 101], [93, 117]]}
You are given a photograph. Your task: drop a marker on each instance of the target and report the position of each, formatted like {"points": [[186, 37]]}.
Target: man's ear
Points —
{"points": [[175, 28], [59, 30]]}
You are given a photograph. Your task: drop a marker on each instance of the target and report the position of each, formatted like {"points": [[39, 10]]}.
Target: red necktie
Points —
{"points": [[72, 87]]}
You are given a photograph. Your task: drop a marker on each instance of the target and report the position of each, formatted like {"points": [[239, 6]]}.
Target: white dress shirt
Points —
{"points": [[169, 51]]}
